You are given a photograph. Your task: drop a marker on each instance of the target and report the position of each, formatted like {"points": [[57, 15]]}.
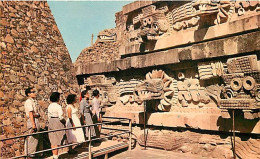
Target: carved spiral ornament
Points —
{"points": [[249, 83], [236, 84]]}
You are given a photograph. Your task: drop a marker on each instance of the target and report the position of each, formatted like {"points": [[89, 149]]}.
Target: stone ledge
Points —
{"points": [[210, 121], [238, 44]]}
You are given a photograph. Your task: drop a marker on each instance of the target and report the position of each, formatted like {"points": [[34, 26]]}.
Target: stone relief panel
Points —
{"points": [[145, 26], [228, 84], [183, 17], [153, 22], [158, 85], [241, 89], [107, 35], [209, 70], [189, 90], [126, 90], [245, 6]]}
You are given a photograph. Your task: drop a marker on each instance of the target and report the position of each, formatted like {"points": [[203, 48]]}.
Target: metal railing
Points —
{"points": [[89, 136]]}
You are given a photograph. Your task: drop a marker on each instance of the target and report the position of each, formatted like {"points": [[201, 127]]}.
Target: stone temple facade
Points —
{"points": [[33, 53], [191, 63]]}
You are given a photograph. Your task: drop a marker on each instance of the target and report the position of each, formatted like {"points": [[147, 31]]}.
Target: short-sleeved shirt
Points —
{"points": [[55, 110], [96, 106], [30, 105]]}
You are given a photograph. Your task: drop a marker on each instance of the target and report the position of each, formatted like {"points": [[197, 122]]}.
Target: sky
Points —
{"points": [[78, 20]]}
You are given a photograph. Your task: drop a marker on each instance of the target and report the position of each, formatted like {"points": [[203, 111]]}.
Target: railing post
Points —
{"points": [[234, 135], [89, 144], [130, 134], [144, 124], [26, 140]]}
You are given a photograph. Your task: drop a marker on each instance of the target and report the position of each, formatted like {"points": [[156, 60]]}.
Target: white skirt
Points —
{"points": [[74, 136]]}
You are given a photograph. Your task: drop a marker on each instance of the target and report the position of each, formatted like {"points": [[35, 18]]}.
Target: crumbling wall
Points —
{"points": [[99, 52], [33, 53], [108, 45]]}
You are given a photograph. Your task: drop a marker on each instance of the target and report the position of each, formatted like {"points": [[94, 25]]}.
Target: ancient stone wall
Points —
{"points": [[185, 141], [158, 25], [107, 51], [190, 64], [214, 69], [33, 53]]}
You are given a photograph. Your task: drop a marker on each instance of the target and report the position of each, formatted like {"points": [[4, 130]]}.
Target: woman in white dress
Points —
{"points": [[73, 135]]}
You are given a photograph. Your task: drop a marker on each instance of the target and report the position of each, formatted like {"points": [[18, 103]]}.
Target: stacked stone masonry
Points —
{"points": [[33, 53], [105, 49]]}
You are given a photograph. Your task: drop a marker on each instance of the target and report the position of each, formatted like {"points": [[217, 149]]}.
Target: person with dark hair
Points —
{"points": [[32, 114], [56, 120], [85, 112], [88, 88], [96, 109], [73, 135]]}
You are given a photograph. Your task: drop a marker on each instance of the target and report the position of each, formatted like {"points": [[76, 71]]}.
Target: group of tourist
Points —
{"points": [[89, 113]]}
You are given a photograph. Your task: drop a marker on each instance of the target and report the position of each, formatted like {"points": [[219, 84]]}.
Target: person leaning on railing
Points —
{"points": [[32, 114], [56, 121]]}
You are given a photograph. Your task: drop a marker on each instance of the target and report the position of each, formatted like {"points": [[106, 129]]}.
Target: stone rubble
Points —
{"points": [[100, 52]]}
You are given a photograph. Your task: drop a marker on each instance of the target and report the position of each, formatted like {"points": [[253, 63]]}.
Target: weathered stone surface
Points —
{"points": [[9, 142], [34, 49], [17, 103], [1, 94], [215, 48], [135, 5], [14, 33], [19, 119], [17, 153], [29, 36], [194, 35], [222, 152], [7, 122], [1, 144], [181, 23], [9, 39], [13, 110], [99, 52], [43, 104], [13, 78], [1, 110], [3, 21], [9, 129], [183, 118], [171, 36]]}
